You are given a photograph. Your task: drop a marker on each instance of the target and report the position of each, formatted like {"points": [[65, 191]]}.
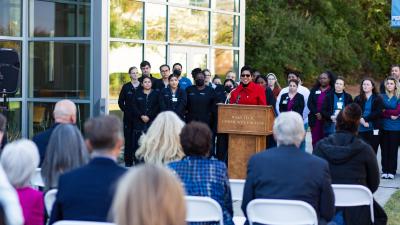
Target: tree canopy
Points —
{"points": [[352, 38]]}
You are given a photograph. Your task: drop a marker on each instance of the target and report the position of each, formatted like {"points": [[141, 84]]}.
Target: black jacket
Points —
{"points": [[312, 106], [86, 193], [201, 105], [376, 109], [158, 84], [286, 172], [271, 100], [42, 140], [327, 107], [126, 101], [298, 105], [145, 105], [176, 103], [351, 161]]}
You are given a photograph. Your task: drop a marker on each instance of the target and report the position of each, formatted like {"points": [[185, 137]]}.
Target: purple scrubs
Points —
{"points": [[317, 132]]}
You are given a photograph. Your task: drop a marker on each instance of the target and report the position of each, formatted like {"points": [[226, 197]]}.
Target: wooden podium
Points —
{"points": [[247, 126]]}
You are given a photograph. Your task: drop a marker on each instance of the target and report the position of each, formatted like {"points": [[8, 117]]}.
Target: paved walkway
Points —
{"points": [[382, 195]]}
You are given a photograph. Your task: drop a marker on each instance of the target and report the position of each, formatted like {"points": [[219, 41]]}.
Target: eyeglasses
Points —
{"points": [[245, 75], [164, 71]]}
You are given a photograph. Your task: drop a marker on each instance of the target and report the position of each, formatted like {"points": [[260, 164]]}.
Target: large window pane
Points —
{"points": [[114, 109], [126, 19], [226, 29], [10, 17], [122, 56], [227, 5], [13, 121], [156, 55], [16, 45], [189, 26], [225, 60], [198, 3], [51, 19], [156, 22], [59, 70], [41, 116]]}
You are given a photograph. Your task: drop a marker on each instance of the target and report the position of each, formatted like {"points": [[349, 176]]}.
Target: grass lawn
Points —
{"points": [[392, 208]]}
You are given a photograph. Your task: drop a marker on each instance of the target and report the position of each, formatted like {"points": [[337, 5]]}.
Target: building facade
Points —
{"points": [[82, 49]]}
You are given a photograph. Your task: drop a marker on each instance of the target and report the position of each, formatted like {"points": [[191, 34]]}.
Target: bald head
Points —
{"points": [[65, 112]]}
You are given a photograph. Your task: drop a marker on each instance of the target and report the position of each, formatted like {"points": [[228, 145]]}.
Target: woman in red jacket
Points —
{"points": [[248, 92]]}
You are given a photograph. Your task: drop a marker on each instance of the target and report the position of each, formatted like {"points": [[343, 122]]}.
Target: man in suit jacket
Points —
{"points": [[286, 172], [64, 112], [86, 193]]}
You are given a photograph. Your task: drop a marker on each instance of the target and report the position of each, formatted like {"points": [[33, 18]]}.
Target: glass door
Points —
{"points": [[190, 58]]}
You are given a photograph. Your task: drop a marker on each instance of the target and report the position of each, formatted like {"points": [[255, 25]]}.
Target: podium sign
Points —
{"points": [[247, 126]]}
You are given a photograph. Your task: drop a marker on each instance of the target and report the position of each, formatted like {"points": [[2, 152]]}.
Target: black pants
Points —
{"points": [[371, 139], [222, 148], [136, 136], [389, 141], [128, 149]]}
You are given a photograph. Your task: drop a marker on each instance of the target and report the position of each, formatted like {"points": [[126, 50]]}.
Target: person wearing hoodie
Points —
{"points": [[351, 161]]}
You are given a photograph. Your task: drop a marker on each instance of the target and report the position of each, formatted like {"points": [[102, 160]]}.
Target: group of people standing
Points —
{"points": [[143, 98]]}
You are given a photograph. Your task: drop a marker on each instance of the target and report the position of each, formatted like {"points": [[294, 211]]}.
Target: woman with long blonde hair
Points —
{"points": [[161, 143], [149, 195], [390, 133]]}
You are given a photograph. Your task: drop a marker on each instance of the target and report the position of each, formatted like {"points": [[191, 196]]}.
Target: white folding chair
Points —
{"points": [[237, 187], [37, 180], [49, 199], [203, 209], [353, 195], [280, 212], [70, 222]]}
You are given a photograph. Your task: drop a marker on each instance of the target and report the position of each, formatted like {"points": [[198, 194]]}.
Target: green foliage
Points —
{"points": [[353, 38], [392, 209]]}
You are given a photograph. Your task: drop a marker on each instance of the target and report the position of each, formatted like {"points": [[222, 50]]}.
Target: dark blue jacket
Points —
{"points": [[176, 104], [286, 172], [86, 193], [42, 140]]}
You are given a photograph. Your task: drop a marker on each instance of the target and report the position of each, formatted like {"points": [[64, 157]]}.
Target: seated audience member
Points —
{"points": [[351, 161], [19, 160], [66, 151], [9, 200], [64, 112], [149, 195], [8, 196], [286, 172], [203, 176], [161, 142], [293, 100], [86, 193]]}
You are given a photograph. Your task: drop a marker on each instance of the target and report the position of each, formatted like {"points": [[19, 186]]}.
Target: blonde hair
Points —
{"points": [[149, 195], [161, 143], [397, 86]]}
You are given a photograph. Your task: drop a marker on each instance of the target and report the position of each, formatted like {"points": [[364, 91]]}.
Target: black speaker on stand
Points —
{"points": [[9, 76]]}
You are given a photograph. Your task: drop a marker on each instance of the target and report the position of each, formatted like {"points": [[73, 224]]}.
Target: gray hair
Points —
{"points": [[19, 160], [66, 151], [289, 129]]}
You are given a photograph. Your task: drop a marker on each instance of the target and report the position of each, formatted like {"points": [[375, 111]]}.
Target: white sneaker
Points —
{"points": [[384, 176], [390, 176]]}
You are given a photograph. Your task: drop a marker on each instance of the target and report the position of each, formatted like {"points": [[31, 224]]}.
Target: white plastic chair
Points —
{"points": [[353, 195], [37, 180], [49, 199], [282, 212], [237, 187], [70, 222], [203, 209]]}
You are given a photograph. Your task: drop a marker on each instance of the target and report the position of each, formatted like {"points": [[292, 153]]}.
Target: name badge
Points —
{"points": [[174, 99], [284, 102], [340, 105], [376, 132], [318, 92]]}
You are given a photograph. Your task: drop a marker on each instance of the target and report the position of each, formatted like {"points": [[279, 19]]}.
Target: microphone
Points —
{"points": [[237, 99]]}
